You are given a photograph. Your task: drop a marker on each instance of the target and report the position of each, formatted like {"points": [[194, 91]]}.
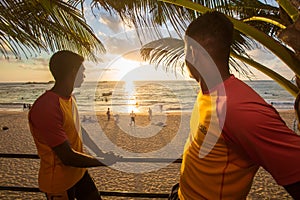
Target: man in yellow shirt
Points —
{"points": [[233, 131], [55, 127]]}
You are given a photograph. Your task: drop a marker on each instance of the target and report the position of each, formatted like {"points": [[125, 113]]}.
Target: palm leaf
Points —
{"points": [[169, 53], [289, 8], [150, 13], [32, 26], [286, 55], [267, 20], [147, 13], [283, 82]]}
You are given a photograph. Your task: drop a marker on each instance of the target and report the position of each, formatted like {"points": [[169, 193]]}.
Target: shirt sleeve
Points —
{"points": [[259, 132], [47, 119]]}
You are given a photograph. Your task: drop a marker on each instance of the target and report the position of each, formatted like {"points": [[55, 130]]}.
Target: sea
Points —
{"points": [[137, 96]]}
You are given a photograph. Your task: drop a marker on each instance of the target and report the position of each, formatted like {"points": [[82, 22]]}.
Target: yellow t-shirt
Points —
{"points": [[232, 134], [210, 170], [52, 121]]}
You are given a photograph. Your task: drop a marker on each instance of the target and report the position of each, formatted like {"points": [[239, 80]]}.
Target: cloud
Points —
{"points": [[268, 59], [111, 21], [40, 61], [122, 43], [133, 55], [33, 67], [39, 64]]}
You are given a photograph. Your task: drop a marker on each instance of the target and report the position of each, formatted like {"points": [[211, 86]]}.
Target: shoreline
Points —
{"points": [[24, 172]]}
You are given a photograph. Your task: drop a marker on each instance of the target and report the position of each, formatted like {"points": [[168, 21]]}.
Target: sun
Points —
{"points": [[127, 73]]}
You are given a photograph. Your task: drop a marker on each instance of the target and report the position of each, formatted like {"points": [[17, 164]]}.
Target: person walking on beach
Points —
{"points": [[55, 126], [161, 108], [150, 114], [233, 131], [24, 106], [132, 118], [108, 114]]}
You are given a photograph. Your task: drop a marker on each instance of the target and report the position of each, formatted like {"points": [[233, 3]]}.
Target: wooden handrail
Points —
{"points": [[15, 155], [103, 193], [136, 159]]}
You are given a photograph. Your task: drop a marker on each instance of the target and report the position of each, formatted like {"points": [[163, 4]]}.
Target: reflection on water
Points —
{"points": [[124, 96], [139, 96]]}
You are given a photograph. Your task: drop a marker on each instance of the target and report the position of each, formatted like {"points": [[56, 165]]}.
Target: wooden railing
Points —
{"points": [[103, 193]]}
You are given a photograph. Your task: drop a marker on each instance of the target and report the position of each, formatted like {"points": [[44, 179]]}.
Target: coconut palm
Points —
{"points": [[255, 23], [31, 26]]}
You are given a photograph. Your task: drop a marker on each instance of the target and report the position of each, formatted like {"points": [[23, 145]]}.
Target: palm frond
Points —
{"points": [[283, 82], [32, 26], [267, 20], [169, 53], [249, 8], [157, 14], [147, 13], [285, 54], [290, 8]]}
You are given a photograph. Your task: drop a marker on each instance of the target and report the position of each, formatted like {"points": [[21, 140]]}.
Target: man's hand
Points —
{"points": [[109, 158]]}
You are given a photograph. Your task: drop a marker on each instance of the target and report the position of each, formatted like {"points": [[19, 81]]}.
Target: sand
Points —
{"points": [[23, 172]]}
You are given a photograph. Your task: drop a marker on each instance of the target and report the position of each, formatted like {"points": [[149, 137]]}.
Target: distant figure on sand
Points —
{"points": [[150, 114], [55, 126], [233, 130], [132, 118], [85, 119], [108, 114], [161, 108], [24, 106], [117, 118]]}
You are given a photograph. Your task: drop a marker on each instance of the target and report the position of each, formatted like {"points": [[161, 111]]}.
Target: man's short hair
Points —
{"points": [[62, 62], [214, 31]]}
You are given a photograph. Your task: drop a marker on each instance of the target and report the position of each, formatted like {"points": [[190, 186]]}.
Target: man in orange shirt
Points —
{"points": [[233, 131], [55, 127]]}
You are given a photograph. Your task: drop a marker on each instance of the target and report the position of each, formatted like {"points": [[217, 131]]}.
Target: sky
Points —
{"points": [[121, 60]]}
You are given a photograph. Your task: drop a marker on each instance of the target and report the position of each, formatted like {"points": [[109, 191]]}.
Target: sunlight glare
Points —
{"points": [[130, 91]]}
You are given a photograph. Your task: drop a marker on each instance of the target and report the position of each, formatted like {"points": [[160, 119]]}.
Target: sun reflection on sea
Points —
{"points": [[132, 104]]}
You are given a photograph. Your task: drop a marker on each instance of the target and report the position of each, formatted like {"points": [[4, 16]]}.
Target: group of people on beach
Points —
{"points": [[26, 106], [132, 116], [233, 131]]}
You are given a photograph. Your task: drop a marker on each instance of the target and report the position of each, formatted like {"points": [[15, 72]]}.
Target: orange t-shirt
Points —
{"points": [[233, 131], [52, 121]]}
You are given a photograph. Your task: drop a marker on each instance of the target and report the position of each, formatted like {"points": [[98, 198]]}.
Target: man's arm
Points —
{"points": [[90, 143], [293, 190], [76, 159]]}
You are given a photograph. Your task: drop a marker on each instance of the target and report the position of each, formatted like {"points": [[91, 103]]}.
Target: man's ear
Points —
{"points": [[193, 52], [189, 55]]}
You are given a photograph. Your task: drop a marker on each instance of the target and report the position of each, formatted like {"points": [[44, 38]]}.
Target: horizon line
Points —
{"points": [[91, 81]]}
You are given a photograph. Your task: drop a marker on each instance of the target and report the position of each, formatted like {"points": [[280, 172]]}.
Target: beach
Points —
{"points": [[24, 172]]}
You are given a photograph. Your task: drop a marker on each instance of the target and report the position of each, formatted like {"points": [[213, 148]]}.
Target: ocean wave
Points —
{"points": [[172, 95]]}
